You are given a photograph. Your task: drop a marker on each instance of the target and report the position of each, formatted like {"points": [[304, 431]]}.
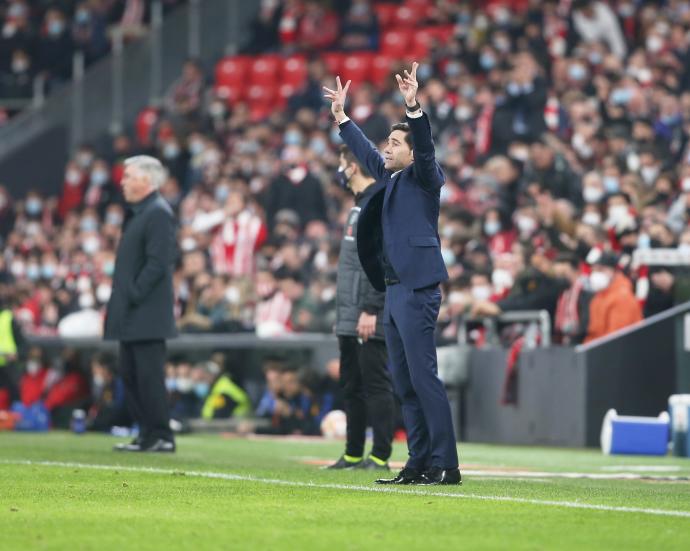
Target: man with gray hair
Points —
{"points": [[140, 310]]}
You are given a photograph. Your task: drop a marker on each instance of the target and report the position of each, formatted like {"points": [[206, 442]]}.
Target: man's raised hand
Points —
{"points": [[408, 85], [337, 98]]}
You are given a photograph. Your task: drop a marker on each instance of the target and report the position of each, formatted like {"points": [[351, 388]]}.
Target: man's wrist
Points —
{"points": [[341, 118], [414, 107]]}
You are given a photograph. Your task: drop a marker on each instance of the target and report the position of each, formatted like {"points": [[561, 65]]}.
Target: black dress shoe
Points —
{"points": [[343, 463], [405, 476], [159, 445], [437, 477], [133, 446]]}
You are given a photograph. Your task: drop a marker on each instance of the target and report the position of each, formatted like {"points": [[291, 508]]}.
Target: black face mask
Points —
{"points": [[341, 179]]}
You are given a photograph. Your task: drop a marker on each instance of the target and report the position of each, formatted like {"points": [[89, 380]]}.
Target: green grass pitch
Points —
{"points": [[68, 492]]}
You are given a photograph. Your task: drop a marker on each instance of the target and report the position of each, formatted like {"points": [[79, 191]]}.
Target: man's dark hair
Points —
{"points": [[405, 128], [568, 258], [350, 158]]}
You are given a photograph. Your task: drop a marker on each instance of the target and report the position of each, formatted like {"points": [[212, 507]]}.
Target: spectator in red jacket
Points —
{"points": [[33, 382]]}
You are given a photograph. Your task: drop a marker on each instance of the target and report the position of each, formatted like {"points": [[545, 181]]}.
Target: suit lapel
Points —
{"points": [[390, 186]]}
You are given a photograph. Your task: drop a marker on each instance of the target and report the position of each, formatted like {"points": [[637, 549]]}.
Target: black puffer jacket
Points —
{"points": [[354, 292]]}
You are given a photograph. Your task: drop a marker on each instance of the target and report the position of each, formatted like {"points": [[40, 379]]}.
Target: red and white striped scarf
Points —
{"points": [[234, 245]]}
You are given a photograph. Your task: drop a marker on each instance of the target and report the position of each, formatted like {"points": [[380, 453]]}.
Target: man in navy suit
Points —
{"points": [[399, 248]]}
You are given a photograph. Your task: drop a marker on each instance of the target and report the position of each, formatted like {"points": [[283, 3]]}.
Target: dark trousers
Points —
{"points": [[409, 322], [368, 391], [142, 370], [9, 378]]}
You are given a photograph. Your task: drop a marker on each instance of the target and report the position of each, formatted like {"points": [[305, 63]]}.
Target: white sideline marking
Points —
{"points": [[643, 468], [378, 489]]}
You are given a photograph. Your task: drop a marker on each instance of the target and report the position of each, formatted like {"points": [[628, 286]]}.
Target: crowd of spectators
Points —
{"points": [[41, 37], [563, 128]]}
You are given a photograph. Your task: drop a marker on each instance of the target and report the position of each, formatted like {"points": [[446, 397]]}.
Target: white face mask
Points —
{"points": [[592, 194], [685, 184], [649, 174], [33, 367], [184, 384], [591, 218], [618, 212], [481, 292], [526, 225], [457, 298], [103, 293], [598, 281], [502, 279], [86, 301]]}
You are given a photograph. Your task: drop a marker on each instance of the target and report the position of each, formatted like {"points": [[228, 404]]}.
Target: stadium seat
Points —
{"points": [[356, 67], [396, 43], [265, 70], [294, 71], [381, 68], [232, 71], [386, 14], [230, 93], [408, 16], [422, 40], [334, 61]]}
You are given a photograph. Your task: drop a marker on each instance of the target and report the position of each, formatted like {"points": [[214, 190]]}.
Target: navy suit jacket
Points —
{"points": [[402, 212]]}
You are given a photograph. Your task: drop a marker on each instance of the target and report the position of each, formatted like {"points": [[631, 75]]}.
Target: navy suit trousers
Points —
{"points": [[409, 321]]}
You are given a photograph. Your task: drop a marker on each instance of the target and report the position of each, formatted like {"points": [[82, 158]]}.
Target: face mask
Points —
{"points": [[48, 271], [481, 292], [487, 62], [86, 301], [644, 241], [184, 385], [91, 245], [196, 147], [318, 146], [592, 194], [297, 174], [55, 28], [618, 212], [464, 113], [341, 178], [448, 257], [33, 272], [457, 298], [649, 174], [103, 293], [502, 279], [33, 367], [170, 384], [654, 43], [526, 225], [188, 244], [620, 96], [361, 112], [99, 177], [216, 110], [492, 227], [598, 281], [171, 151], [113, 218], [232, 295], [9, 30], [577, 72], [292, 137], [201, 390], [591, 218], [84, 159], [222, 193], [82, 17], [611, 184], [109, 268], [17, 268], [19, 65], [33, 206], [88, 224], [595, 58], [73, 177], [99, 381], [424, 71]]}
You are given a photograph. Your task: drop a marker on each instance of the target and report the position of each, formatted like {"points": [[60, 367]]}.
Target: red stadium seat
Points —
{"points": [[231, 94], [334, 61], [285, 92], [444, 32], [408, 16], [356, 67], [265, 70], [294, 71], [232, 70], [381, 69], [386, 14], [396, 43]]}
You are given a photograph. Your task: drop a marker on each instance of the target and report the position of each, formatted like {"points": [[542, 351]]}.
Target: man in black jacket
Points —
{"points": [[140, 310], [364, 374]]}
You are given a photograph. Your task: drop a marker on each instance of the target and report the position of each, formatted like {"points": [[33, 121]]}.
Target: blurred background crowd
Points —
{"points": [[563, 127], [40, 38]]}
